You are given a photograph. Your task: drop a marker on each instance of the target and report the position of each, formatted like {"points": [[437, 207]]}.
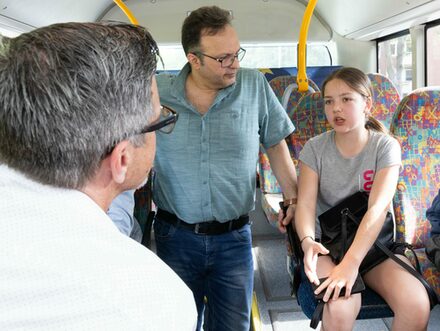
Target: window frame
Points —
{"points": [[428, 25]]}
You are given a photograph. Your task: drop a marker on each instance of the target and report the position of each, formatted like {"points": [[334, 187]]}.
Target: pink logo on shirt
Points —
{"points": [[368, 177]]}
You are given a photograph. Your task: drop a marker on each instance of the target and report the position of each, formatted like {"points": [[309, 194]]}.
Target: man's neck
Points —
{"points": [[199, 94], [98, 197]]}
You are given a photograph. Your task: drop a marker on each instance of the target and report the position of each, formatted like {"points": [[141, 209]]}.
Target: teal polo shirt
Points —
{"points": [[206, 168]]}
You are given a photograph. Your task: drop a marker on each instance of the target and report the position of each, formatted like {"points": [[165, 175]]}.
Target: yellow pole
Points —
{"points": [[301, 79], [255, 314], [126, 11]]}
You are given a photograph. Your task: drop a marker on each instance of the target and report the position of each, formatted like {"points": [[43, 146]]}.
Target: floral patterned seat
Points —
{"points": [[386, 98], [416, 125], [285, 89]]}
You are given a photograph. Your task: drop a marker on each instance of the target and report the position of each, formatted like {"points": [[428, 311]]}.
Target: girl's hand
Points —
{"points": [[342, 275], [311, 249]]}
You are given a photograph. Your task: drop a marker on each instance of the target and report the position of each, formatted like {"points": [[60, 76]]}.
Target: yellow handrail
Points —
{"points": [[126, 11], [301, 78]]}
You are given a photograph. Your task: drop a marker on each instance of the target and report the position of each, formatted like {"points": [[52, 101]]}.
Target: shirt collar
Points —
{"points": [[178, 88]]}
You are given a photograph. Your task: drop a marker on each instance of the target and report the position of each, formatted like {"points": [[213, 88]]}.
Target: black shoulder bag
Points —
{"points": [[339, 225]]}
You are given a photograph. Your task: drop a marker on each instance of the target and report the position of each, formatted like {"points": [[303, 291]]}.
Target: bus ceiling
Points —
{"points": [[359, 20]]}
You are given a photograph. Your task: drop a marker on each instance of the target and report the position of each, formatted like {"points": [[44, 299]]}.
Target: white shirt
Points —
{"points": [[65, 266]]}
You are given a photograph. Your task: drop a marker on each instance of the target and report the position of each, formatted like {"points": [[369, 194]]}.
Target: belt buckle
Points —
{"points": [[197, 228]]}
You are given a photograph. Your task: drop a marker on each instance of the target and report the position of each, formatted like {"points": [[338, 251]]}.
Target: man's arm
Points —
{"points": [[285, 173]]}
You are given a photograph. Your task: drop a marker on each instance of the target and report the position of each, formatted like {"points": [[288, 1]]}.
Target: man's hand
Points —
{"points": [[285, 216]]}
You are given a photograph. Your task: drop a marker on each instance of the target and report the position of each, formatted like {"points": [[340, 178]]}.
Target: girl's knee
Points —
{"points": [[415, 306], [340, 314]]}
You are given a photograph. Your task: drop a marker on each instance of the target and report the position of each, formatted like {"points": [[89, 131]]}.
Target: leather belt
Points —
{"points": [[209, 228]]}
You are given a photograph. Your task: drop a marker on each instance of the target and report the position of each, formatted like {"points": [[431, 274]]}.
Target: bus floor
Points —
{"points": [[273, 307]]}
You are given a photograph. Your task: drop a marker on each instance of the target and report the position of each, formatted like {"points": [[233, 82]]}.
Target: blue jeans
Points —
{"points": [[218, 267]]}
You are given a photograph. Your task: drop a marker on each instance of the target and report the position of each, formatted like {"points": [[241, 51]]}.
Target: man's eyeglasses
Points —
{"points": [[227, 60], [165, 124]]}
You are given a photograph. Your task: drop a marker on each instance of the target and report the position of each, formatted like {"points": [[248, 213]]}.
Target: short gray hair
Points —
{"points": [[69, 92]]}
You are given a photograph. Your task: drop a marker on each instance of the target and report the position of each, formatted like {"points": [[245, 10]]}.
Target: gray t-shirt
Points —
{"points": [[340, 177]]}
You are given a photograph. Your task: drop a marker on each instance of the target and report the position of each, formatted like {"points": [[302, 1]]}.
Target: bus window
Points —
{"points": [[257, 56], [395, 60], [433, 55]]}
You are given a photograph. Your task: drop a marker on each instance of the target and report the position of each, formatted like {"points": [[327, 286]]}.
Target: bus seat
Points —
{"points": [[286, 90], [309, 120], [416, 125], [286, 87], [386, 98], [280, 84], [268, 183]]}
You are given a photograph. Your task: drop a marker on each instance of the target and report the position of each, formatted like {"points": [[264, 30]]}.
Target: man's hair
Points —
{"points": [[69, 92], [204, 20]]}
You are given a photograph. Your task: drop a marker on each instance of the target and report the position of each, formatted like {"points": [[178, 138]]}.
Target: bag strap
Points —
{"points": [[411, 248], [317, 314], [344, 214], [433, 300]]}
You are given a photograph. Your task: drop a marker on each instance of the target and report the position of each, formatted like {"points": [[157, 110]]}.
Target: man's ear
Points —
{"points": [[193, 60], [119, 159]]}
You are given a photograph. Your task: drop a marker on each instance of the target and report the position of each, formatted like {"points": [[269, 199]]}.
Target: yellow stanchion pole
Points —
{"points": [[303, 82], [255, 314], [126, 11]]}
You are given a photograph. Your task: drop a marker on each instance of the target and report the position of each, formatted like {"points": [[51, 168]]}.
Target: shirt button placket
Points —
{"points": [[204, 170]]}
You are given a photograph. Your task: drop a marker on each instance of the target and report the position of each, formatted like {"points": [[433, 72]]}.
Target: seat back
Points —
{"points": [[286, 90], [280, 84], [386, 98], [416, 125], [309, 120]]}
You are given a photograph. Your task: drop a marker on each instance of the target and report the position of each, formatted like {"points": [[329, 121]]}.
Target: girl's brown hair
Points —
{"points": [[358, 81]]}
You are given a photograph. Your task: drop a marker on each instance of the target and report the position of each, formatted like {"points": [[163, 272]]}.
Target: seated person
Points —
{"points": [[433, 244], [357, 155], [78, 109], [433, 215]]}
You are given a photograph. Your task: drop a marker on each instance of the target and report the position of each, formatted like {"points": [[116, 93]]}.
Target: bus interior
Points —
{"points": [[397, 42]]}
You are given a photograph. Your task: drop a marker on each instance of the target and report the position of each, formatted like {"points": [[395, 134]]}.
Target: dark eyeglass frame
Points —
{"points": [[163, 123], [241, 52], [153, 127]]}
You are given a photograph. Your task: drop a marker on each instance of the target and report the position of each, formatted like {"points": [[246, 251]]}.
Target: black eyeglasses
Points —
{"points": [[227, 60], [165, 124]]}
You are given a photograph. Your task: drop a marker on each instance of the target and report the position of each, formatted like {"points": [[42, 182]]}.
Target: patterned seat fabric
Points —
{"points": [[416, 125], [268, 182], [309, 120], [280, 85], [386, 98], [284, 88]]}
